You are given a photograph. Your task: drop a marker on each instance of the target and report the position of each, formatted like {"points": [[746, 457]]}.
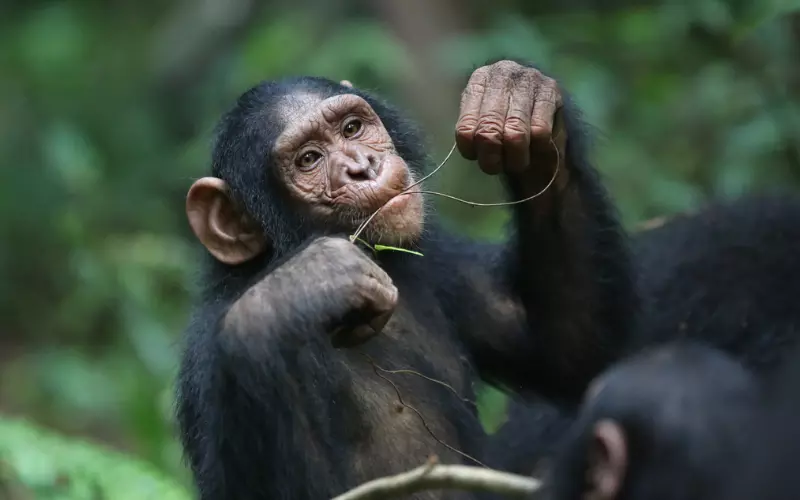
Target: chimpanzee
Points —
{"points": [[726, 275], [769, 468], [268, 406], [669, 423]]}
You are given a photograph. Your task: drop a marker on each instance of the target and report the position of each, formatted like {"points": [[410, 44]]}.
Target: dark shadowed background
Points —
{"points": [[106, 109]]}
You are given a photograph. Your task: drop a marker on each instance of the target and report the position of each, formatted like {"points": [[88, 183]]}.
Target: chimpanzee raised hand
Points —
{"points": [[268, 407]]}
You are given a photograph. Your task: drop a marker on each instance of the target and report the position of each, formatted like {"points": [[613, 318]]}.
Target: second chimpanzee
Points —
{"points": [[268, 408], [769, 468], [669, 423], [726, 275]]}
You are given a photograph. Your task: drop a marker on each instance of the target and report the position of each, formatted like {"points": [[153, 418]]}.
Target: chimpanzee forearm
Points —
{"points": [[569, 266], [554, 306], [259, 390]]}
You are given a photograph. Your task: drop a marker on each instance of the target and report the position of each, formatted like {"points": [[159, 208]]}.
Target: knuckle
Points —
{"points": [[506, 66], [382, 277], [515, 136], [515, 125], [547, 93], [491, 122], [330, 242], [534, 74], [465, 130], [473, 89], [467, 123], [541, 128], [386, 301], [389, 303], [550, 83], [489, 132], [480, 74], [351, 265]]}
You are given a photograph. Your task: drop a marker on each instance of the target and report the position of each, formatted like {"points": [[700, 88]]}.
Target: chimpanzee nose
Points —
{"points": [[353, 165]]}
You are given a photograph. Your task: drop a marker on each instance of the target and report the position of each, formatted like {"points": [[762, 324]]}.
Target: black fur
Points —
{"points": [[726, 276], [276, 415], [768, 469], [684, 410], [532, 434]]}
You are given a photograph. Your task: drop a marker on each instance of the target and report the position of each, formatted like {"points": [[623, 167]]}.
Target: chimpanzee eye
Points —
{"points": [[351, 128], [308, 159]]}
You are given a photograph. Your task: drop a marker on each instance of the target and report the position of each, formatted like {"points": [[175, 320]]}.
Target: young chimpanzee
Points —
{"points": [[268, 407], [671, 423]]}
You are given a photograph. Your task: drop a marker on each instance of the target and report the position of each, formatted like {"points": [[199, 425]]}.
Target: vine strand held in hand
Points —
{"points": [[407, 190]]}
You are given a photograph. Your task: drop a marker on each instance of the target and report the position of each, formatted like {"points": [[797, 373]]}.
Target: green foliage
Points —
{"points": [[491, 407], [35, 463]]}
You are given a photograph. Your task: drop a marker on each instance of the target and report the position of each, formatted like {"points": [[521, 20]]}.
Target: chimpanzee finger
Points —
{"points": [[517, 127], [362, 323], [467, 122], [379, 322], [351, 336], [548, 101], [489, 134]]}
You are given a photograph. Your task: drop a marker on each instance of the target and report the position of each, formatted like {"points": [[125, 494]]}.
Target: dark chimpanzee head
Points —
{"points": [[304, 156], [770, 470], [665, 424]]}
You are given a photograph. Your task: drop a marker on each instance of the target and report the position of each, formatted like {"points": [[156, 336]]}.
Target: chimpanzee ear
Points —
{"points": [[229, 235], [346, 83], [608, 461]]}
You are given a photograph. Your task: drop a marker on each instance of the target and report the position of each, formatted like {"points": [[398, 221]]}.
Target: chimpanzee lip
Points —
{"points": [[398, 199], [346, 194]]}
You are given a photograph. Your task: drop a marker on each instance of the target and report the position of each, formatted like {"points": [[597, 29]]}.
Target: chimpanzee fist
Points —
{"points": [[351, 293], [509, 114]]}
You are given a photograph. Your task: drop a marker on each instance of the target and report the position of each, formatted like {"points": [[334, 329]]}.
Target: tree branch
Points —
{"points": [[434, 476]]}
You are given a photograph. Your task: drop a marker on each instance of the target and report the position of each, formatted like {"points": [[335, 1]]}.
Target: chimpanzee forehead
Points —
{"points": [[299, 107], [296, 106], [304, 115]]}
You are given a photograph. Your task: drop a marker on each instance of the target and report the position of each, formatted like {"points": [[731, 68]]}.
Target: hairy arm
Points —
{"points": [[565, 275], [267, 408]]}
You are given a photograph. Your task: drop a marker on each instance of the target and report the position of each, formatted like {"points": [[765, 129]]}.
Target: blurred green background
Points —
{"points": [[106, 109]]}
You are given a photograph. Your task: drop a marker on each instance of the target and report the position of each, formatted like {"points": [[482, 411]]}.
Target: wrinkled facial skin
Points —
{"points": [[340, 165]]}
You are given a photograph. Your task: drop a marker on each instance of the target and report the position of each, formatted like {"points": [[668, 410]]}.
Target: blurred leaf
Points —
{"points": [[492, 406], [72, 157], [52, 38], [56, 468], [509, 37]]}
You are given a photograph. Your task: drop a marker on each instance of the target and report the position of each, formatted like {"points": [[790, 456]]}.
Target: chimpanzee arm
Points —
{"points": [[267, 408], [243, 397], [563, 300], [569, 265]]}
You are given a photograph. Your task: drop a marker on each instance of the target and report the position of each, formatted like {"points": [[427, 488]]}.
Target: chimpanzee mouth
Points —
{"points": [[399, 200]]}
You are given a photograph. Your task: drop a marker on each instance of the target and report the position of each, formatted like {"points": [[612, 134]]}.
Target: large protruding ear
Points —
{"points": [[229, 235], [346, 83], [608, 461]]}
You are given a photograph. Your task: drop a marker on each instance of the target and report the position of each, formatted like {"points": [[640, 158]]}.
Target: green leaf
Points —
{"points": [[383, 248], [380, 248]]}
